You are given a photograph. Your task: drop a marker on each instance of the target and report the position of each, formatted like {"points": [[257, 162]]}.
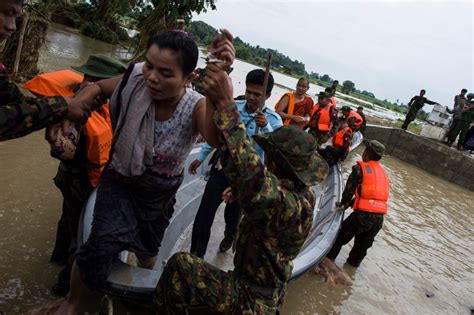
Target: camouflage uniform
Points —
{"points": [[416, 103], [362, 225], [277, 218], [20, 115]]}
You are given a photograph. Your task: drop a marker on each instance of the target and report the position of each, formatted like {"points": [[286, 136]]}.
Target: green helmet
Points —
{"points": [[298, 149], [101, 66]]}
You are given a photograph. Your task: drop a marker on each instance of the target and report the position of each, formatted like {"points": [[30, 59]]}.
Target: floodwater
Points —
{"points": [[420, 263]]}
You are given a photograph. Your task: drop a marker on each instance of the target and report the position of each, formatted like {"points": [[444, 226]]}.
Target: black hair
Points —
{"points": [[360, 107], [464, 90], [372, 155], [257, 77], [335, 81], [423, 91], [180, 43], [304, 79]]}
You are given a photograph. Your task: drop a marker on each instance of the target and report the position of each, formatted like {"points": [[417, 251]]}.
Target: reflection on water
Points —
{"points": [[423, 248]]}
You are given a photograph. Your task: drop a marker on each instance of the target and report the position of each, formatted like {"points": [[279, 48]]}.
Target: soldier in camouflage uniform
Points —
{"points": [[21, 115], [362, 225], [415, 104], [277, 202]]}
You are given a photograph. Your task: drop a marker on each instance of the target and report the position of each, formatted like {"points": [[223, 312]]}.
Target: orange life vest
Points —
{"points": [[290, 108], [97, 130], [324, 121], [98, 134], [54, 83], [374, 190], [338, 139], [357, 117]]}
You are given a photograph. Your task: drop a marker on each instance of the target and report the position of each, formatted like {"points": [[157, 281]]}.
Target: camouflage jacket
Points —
{"points": [[277, 215], [20, 115]]}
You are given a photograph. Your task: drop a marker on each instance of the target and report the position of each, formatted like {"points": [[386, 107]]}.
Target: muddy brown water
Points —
{"points": [[420, 263]]}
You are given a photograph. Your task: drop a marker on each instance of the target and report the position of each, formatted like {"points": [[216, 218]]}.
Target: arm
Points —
{"points": [[282, 106], [347, 144], [334, 121], [427, 101], [355, 178], [411, 101], [205, 150], [202, 122]]}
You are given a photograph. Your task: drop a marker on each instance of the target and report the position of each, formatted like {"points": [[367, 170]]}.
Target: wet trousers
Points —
{"points": [[411, 115], [191, 285], [362, 225], [211, 200], [127, 216], [75, 188]]}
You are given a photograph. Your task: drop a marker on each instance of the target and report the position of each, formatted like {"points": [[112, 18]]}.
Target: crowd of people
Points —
{"points": [[127, 132]]}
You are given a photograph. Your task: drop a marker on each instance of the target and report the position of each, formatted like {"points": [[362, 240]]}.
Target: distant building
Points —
{"points": [[439, 116]]}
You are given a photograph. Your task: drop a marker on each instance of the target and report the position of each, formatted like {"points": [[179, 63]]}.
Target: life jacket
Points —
{"points": [[54, 83], [372, 194], [290, 108], [358, 118], [97, 130], [324, 121], [338, 139], [98, 134]]}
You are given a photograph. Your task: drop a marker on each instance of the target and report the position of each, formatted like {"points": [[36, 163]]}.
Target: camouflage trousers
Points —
{"points": [[411, 115], [190, 285], [320, 136]]}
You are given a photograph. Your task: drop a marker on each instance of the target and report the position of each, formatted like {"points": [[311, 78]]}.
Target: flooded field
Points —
{"points": [[420, 263]]}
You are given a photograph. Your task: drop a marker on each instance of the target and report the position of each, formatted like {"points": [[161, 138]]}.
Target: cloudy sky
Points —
{"points": [[392, 48]]}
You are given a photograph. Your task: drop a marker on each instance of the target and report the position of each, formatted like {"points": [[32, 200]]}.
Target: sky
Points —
{"points": [[392, 48]]}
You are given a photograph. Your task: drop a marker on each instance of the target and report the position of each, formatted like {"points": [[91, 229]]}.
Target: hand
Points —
{"points": [[194, 166], [222, 48], [260, 119], [78, 111], [218, 86], [227, 195], [298, 119]]}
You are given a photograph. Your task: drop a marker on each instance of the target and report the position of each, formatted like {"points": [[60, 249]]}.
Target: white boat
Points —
{"points": [[138, 284]]}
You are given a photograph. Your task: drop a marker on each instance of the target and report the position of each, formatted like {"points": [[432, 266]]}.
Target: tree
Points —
{"points": [[326, 78], [165, 15], [348, 87]]}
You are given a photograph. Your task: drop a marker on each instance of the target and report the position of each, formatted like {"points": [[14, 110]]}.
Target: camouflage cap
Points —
{"points": [[298, 149], [375, 146]]}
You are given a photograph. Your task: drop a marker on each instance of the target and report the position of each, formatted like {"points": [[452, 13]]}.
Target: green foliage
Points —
{"points": [[369, 94], [348, 87], [202, 33], [326, 78]]}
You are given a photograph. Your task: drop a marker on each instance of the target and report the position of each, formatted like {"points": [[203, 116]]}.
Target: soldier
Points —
{"points": [[366, 191], [415, 104], [20, 115], [277, 201], [324, 122], [341, 143], [250, 114], [360, 111], [467, 117], [354, 120]]}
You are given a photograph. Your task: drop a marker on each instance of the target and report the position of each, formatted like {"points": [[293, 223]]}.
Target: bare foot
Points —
{"points": [[331, 273]]}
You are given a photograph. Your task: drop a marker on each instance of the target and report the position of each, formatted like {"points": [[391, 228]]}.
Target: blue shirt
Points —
{"points": [[273, 119]]}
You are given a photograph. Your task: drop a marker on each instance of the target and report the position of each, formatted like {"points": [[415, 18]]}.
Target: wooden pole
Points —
{"points": [[265, 85], [16, 64]]}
